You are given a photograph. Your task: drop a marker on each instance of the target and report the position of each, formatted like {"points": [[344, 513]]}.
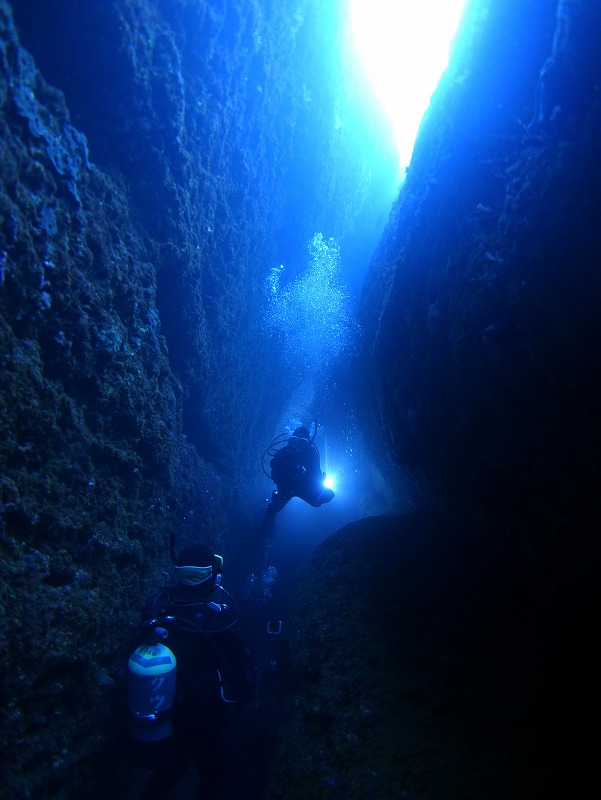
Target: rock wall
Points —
{"points": [[95, 469], [221, 118], [426, 662], [155, 158], [445, 655], [482, 307]]}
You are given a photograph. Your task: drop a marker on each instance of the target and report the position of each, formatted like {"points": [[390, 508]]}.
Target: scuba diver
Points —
{"points": [[296, 471], [182, 696]]}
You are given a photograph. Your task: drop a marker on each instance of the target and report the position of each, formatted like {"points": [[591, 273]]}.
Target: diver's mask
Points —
{"points": [[193, 575]]}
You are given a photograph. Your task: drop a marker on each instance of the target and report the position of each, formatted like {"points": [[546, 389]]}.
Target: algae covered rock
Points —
{"points": [[91, 450], [427, 661]]}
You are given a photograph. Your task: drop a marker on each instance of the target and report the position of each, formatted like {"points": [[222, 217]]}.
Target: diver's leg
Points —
{"points": [[326, 496], [167, 775], [278, 500], [315, 495], [209, 757], [267, 526]]}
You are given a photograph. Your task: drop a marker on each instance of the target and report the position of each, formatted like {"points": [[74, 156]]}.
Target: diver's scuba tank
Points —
{"points": [[150, 692]]}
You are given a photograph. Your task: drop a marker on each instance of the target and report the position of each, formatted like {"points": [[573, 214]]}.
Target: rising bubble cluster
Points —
{"points": [[310, 317]]}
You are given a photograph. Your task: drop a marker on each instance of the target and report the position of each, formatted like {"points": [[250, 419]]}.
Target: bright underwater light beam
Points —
{"points": [[404, 46]]}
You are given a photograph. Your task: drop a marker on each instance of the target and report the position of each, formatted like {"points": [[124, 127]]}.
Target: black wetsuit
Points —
{"points": [[296, 471], [215, 674]]}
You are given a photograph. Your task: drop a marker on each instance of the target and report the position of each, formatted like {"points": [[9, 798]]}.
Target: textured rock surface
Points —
{"points": [[220, 116], [429, 661], [95, 469], [141, 209], [482, 306], [154, 159]]}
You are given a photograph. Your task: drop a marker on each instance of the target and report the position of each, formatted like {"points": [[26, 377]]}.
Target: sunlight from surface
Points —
{"points": [[404, 46]]}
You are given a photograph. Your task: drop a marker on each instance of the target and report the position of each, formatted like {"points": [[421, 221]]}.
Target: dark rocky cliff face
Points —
{"points": [[428, 662], [154, 158], [94, 465], [482, 306], [450, 654]]}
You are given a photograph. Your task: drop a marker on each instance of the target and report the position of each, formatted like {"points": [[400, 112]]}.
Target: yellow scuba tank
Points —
{"points": [[151, 673]]}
